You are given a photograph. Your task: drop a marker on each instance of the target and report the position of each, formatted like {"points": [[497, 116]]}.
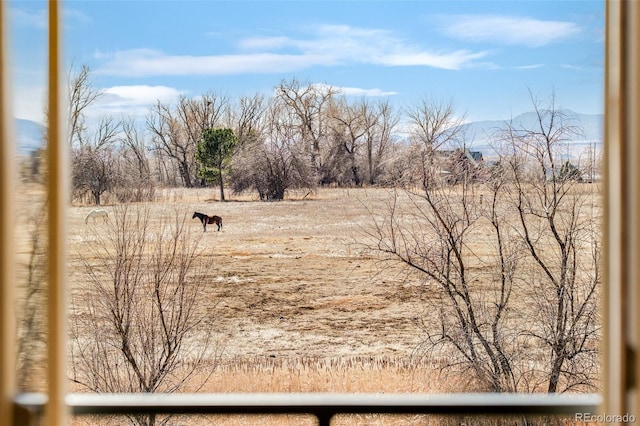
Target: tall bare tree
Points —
{"points": [[94, 161], [348, 126], [136, 179], [92, 147], [434, 125], [468, 321], [170, 143], [82, 94], [381, 124], [561, 235], [308, 104], [248, 118], [434, 122], [273, 163]]}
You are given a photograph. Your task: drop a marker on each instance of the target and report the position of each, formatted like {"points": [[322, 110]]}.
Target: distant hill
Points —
{"points": [[479, 133], [29, 135]]}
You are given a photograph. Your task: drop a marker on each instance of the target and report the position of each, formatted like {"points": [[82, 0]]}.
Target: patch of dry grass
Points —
{"points": [[365, 374]]}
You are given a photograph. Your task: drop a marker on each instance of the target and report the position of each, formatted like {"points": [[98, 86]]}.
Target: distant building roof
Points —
{"points": [[476, 155]]}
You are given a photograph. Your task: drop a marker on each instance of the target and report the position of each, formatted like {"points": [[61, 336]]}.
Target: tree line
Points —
{"points": [[303, 136]]}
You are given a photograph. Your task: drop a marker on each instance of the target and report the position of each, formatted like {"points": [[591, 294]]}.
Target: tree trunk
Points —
{"points": [[184, 173], [554, 376], [221, 184], [356, 175]]}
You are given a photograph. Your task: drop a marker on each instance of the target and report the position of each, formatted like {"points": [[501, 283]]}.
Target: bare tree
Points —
{"points": [[92, 150], [136, 181], [381, 123], [348, 126], [82, 94], [307, 105], [140, 326], [248, 118], [359, 134], [468, 321], [94, 162], [134, 149], [433, 125], [172, 153], [274, 163], [557, 227]]}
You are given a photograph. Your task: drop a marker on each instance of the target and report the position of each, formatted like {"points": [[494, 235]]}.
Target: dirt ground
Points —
{"points": [[292, 278]]}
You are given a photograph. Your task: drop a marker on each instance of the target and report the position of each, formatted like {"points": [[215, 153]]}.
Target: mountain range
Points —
{"points": [[29, 135], [591, 126]]}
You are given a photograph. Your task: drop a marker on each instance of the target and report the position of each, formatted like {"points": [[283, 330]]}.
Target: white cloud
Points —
{"points": [[36, 19], [131, 100], [143, 93], [508, 30], [39, 18], [572, 67], [357, 91], [328, 45], [75, 15], [452, 61], [144, 62], [260, 43], [529, 67]]}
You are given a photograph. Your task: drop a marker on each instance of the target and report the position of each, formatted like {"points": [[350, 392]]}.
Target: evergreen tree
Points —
{"points": [[213, 154]]}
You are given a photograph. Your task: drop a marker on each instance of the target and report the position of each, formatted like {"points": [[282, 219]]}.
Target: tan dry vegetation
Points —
{"points": [[296, 300], [291, 289]]}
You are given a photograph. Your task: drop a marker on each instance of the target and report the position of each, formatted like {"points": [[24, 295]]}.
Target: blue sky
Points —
{"points": [[483, 56]]}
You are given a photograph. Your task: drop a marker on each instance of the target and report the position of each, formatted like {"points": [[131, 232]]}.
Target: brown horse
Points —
{"points": [[207, 220]]}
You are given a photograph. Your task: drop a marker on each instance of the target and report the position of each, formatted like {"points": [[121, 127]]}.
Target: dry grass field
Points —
{"points": [[296, 301], [290, 282]]}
